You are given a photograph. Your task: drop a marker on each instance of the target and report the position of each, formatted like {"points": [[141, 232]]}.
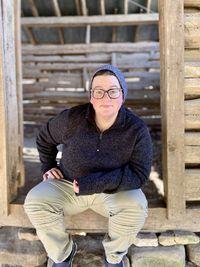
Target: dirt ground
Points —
{"points": [[153, 188]]}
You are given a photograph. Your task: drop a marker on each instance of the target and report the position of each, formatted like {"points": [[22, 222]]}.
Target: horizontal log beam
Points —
{"points": [[192, 139], [92, 66], [192, 87], [192, 107], [192, 54], [192, 69], [192, 30], [192, 154], [192, 185], [192, 3], [192, 122], [83, 21], [89, 48], [156, 220]]}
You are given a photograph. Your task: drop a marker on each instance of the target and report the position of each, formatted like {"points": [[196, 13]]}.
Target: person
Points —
{"points": [[106, 158]]}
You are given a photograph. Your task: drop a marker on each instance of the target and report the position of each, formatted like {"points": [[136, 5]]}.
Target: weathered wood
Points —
{"points": [[192, 30], [91, 48], [192, 54], [102, 7], [192, 154], [192, 139], [92, 66], [33, 8], [88, 34], [80, 21], [3, 135], [171, 28], [192, 87], [139, 87], [192, 69], [125, 7], [79, 58], [156, 220], [61, 36], [84, 8], [148, 6], [192, 3], [192, 122], [17, 11], [8, 107], [29, 35], [192, 185], [56, 8], [192, 107], [78, 8]]}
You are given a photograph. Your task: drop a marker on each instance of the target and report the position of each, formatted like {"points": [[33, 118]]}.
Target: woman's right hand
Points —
{"points": [[53, 173]]}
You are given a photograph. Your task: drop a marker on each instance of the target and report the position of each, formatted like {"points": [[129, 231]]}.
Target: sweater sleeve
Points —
{"points": [[49, 137], [130, 176]]}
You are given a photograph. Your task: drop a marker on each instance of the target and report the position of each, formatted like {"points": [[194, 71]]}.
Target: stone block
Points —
{"points": [[157, 256], [146, 240], [167, 238], [193, 253], [178, 237], [20, 252], [185, 237], [27, 234]]}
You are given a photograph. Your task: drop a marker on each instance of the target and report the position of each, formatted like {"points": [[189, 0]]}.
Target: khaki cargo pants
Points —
{"points": [[48, 202]]}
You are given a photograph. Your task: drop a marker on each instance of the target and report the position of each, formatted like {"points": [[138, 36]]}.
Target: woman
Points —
{"points": [[106, 158]]}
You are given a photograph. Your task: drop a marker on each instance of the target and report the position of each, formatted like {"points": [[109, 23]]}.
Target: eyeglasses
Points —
{"points": [[100, 93]]}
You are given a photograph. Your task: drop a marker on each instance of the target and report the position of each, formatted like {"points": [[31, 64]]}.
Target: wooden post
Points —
{"points": [[19, 91], [171, 29], [125, 7], [102, 7], [8, 107]]}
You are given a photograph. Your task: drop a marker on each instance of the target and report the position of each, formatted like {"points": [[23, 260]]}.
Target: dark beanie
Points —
{"points": [[118, 75]]}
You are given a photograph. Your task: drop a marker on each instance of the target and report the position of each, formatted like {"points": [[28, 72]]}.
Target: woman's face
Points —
{"points": [[106, 107]]}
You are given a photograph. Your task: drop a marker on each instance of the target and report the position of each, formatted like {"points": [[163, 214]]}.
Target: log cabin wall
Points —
{"points": [[71, 63], [192, 101], [55, 82]]}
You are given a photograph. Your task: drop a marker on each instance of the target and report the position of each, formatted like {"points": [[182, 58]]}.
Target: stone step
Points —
{"points": [[16, 252], [157, 256]]}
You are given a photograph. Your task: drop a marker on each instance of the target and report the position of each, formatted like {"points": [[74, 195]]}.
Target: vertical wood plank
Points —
{"points": [[58, 14], [8, 108], [78, 9], [148, 6], [125, 7], [29, 35], [17, 11], [3, 139], [102, 7], [171, 28], [56, 8], [88, 34], [84, 8], [33, 8]]}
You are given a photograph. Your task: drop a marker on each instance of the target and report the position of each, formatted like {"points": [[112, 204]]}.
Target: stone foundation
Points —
{"points": [[21, 248]]}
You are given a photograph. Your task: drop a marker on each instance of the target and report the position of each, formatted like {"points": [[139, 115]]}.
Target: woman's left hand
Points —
{"points": [[75, 186]]}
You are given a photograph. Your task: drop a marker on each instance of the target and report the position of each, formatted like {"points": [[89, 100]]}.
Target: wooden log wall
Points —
{"points": [[54, 82], [11, 143], [192, 100]]}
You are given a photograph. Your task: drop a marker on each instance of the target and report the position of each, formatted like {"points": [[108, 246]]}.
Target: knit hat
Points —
{"points": [[118, 75]]}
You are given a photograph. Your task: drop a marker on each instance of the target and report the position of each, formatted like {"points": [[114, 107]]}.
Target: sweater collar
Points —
{"points": [[120, 121]]}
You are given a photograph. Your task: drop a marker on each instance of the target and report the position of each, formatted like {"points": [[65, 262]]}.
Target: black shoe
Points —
{"points": [[68, 261], [107, 264]]}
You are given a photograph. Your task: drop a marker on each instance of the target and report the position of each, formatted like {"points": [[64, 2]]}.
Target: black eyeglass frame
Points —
{"points": [[104, 92]]}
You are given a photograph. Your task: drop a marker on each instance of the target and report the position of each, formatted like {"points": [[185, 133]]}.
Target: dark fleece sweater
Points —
{"points": [[115, 160]]}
